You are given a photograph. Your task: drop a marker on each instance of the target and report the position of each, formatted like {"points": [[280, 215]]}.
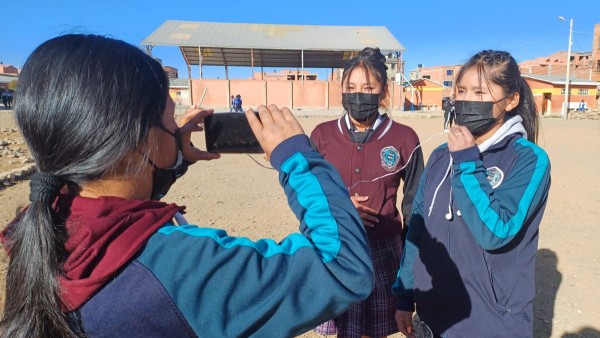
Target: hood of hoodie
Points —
{"points": [[510, 127], [104, 235]]}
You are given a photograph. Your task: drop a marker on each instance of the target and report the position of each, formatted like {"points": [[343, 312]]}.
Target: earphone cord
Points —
{"points": [[376, 178], [407, 162]]}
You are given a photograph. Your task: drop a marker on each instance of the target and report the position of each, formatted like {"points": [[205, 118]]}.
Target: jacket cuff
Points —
{"points": [[466, 155], [287, 148], [406, 303]]}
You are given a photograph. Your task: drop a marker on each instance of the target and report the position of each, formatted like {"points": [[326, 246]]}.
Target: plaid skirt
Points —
{"points": [[373, 317]]}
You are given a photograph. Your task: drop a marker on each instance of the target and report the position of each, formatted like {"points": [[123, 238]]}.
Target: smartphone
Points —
{"points": [[230, 133]]}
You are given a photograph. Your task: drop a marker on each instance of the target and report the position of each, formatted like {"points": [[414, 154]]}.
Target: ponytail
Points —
{"points": [[528, 111], [33, 306], [81, 117]]}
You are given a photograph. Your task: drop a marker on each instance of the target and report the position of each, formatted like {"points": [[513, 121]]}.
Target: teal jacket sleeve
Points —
{"points": [[495, 216], [234, 287]]}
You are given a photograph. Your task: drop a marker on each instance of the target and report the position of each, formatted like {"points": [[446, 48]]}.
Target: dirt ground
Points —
{"points": [[239, 194]]}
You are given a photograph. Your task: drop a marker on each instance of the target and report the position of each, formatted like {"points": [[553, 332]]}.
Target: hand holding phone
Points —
{"points": [[230, 133], [188, 123], [274, 126]]}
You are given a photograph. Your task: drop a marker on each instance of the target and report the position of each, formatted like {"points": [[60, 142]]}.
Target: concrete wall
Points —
{"points": [[316, 94]]}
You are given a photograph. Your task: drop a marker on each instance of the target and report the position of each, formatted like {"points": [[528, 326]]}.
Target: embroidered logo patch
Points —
{"points": [[390, 157], [494, 176]]}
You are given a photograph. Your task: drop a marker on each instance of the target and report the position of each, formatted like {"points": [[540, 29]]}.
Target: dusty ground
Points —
{"points": [[237, 193]]}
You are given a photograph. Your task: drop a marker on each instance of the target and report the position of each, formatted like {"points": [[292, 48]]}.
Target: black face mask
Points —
{"points": [[477, 116], [163, 178], [360, 106]]}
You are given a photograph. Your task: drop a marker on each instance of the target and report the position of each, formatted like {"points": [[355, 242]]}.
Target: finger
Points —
{"points": [[188, 128], [287, 114], [368, 210], [464, 130], [359, 198], [194, 116], [276, 113], [255, 124], [369, 218], [368, 224], [201, 155], [402, 329], [265, 116]]}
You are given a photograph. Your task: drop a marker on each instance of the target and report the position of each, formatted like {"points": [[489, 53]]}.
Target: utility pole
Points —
{"points": [[565, 110]]}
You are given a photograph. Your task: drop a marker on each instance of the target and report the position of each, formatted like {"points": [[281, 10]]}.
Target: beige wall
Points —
{"points": [[294, 94]]}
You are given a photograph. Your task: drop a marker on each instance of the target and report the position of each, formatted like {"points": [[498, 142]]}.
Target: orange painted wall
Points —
{"points": [[310, 94], [541, 89], [279, 93], [313, 94], [335, 94]]}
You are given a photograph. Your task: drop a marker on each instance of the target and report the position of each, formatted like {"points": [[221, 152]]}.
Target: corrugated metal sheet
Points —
{"points": [[239, 44]]}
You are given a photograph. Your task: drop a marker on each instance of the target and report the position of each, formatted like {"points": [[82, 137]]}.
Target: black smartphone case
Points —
{"points": [[230, 133]]}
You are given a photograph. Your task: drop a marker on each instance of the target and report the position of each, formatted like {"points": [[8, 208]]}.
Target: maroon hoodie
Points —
{"points": [[104, 235]]}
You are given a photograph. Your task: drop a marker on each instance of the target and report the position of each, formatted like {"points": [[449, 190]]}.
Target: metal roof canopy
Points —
{"points": [[269, 45]]}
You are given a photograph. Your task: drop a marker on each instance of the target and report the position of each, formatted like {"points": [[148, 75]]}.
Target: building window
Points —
{"points": [[449, 72], [427, 77], [583, 91], [447, 83], [562, 91]]}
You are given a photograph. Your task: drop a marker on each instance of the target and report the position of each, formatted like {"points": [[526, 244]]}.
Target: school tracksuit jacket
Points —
{"points": [[189, 281], [469, 258]]}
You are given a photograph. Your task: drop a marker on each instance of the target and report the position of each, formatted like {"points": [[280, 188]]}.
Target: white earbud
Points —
{"points": [[458, 213], [448, 216]]}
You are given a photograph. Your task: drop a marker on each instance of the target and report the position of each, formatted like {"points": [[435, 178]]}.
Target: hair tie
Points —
{"points": [[44, 187]]}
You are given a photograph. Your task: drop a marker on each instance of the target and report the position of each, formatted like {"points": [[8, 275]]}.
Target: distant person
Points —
{"points": [[96, 254], [581, 106], [5, 99], [238, 103], [448, 107], [232, 104], [9, 99], [375, 156], [468, 265]]}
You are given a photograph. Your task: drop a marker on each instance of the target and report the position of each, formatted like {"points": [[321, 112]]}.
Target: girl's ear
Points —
{"points": [[513, 101]]}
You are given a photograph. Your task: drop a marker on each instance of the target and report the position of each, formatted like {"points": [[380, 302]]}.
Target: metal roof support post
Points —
{"points": [[401, 69], [252, 61], [200, 61], [327, 95], [225, 62], [302, 55], [393, 92]]}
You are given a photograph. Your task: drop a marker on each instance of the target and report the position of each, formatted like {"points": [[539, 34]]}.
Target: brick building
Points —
{"points": [[583, 65], [549, 92]]}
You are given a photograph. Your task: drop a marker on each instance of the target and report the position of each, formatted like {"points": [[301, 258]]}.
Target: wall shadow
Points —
{"points": [[547, 282]]}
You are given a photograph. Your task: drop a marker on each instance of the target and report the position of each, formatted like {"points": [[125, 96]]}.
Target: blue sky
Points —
{"points": [[433, 32]]}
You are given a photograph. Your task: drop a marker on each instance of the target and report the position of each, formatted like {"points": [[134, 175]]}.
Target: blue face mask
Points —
{"points": [[361, 106], [163, 178]]}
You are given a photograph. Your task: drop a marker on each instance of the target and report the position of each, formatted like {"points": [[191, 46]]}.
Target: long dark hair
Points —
{"points": [[372, 61], [501, 68], [86, 102]]}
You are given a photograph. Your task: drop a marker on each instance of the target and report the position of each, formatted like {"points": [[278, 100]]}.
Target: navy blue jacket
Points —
{"points": [[469, 258], [190, 281]]}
